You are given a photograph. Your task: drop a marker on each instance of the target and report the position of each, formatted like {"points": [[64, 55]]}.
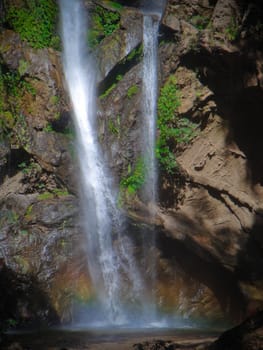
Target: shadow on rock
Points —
{"points": [[23, 303]]}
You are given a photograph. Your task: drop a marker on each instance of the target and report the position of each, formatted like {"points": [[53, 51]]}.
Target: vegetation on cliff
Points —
{"points": [[223, 94], [35, 21], [103, 23], [173, 130], [12, 87]]}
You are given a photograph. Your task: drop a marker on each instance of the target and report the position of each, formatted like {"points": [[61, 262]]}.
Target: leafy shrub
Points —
{"points": [[115, 5], [134, 54], [35, 22], [12, 88], [135, 179], [200, 22], [232, 30], [104, 23], [172, 129]]}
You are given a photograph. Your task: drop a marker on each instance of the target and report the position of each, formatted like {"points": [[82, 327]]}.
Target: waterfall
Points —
{"points": [[150, 86], [151, 20], [112, 267]]}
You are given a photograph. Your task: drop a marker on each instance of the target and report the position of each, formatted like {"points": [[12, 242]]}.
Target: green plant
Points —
{"points": [[23, 167], [119, 77], [35, 22], [29, 212], [115, 5], [12, 88], [27, 86], [172, 129], [48, 128], [23, 232], [56, 192], [59, 192], [108, 91], [133, 90], [26, 168], [7, 121], [54, 99], [232, 30], [45, 195], [104, 23], [12, 82], [200, 22], [115, 125], [11, 322], [12, 217], [22, 68], [135, 53], [198, 94], [135, 178], [55, 42], [22, 137]]}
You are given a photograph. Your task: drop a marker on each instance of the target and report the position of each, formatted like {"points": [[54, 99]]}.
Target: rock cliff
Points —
{"points": [[210, 214]]}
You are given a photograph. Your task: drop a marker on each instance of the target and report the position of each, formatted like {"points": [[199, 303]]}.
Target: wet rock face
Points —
{"points": [[25, 300], [114, 48], [41, 240]]}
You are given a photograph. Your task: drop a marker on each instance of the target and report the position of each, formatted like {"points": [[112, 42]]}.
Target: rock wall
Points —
{"points": [[220, 215], [209, 221]]}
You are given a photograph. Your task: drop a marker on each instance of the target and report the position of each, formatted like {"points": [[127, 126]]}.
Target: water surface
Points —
{"points": [[110, 339]]}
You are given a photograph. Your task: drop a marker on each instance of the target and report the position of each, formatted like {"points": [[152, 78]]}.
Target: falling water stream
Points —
{"points": [[151, 22], [110, 260], [121, 294], [150, 85]]}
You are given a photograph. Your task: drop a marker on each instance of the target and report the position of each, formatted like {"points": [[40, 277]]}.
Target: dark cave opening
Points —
{"points": [[17, 160]]}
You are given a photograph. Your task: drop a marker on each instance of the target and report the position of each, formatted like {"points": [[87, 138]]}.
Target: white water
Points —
{"points": [[113, 270], [150, 90], [149, 111]]}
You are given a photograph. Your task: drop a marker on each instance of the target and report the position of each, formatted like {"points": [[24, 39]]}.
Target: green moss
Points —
{"points": [[115, 5], [133, 90], [60, 192], [56, 192], [54, 99], [45, 195], [35, 22], [108, 91], [22, 68]]}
